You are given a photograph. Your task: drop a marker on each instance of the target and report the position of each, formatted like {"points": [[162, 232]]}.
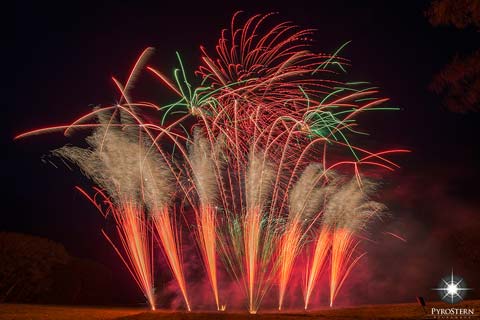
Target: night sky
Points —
{"points": [[65, 54]]}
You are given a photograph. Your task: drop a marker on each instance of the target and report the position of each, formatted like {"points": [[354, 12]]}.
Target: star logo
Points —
{"points": [[452, 289]]}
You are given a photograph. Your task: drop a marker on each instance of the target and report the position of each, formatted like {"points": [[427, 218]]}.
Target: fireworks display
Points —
{"points": [[255, 161]]}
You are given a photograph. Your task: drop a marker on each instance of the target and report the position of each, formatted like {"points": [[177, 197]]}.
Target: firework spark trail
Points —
{"points": [[270, 88], [322, 247], [166, 231], [208, 235], [157, 194], [251, 235], [348, 211], [125, 167], [342, 259], [204, 163], [132, 229], [289, 248], [112, 162], [305, 201], [395, 236], [261, 74], [258, 181]]}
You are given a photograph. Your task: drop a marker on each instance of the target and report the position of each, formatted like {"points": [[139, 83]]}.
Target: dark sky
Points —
{"points": [[65, 53]]}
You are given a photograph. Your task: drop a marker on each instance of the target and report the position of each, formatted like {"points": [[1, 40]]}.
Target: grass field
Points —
{"points": [[387, 311]]}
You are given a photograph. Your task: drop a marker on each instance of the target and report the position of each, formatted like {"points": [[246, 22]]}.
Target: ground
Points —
{"points": [[386, 311]]}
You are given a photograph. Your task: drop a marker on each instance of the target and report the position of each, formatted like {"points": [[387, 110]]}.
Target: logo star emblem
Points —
{"points": [[452, 289]]}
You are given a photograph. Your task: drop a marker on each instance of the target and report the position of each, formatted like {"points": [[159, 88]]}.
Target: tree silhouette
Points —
{"points": [[459, 81], [38, 270], [26, 267], [459, 13]]}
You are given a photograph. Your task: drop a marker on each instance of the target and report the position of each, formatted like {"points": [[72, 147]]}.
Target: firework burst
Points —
{"points": [[250, 155]]}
